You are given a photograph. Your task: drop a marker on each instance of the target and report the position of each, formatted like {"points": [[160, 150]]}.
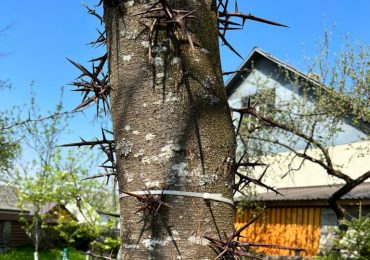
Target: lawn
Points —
{"points": [[26, 253]]}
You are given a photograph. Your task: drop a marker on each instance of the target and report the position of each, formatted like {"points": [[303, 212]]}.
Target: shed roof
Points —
{"points": [[310, 193]]}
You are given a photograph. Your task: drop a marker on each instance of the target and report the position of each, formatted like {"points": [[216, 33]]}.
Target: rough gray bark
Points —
{"points": [[172, 128]]}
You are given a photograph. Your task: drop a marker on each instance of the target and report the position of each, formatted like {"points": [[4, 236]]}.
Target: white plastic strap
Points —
{"points": [[203, 195]]}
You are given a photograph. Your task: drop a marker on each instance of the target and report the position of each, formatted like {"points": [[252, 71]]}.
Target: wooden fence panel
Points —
{"points": [[293, 227]]}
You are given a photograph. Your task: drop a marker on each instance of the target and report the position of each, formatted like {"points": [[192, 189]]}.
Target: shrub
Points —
{"points": [[352, 242], [98, 238]]}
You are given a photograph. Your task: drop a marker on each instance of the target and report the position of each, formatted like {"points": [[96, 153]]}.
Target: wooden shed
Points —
{"points": [[301, 218], [11, 232]]}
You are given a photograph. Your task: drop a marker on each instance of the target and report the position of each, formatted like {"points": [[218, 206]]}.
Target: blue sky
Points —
{"points": [[44, 32]]}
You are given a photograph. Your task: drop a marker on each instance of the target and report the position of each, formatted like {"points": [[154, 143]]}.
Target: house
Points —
{"points": [[261, 73], [276, 84], [11, 232]]}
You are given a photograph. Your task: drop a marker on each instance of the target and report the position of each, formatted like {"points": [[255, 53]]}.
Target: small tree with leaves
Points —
{"points": [[51, 176]]}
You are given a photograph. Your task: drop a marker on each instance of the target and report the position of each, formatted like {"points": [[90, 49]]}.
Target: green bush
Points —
{"points": [[352, 243], [77, 235], [98, 238]]}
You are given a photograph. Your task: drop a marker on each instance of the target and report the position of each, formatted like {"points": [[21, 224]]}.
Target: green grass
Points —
{"points": [[26, 253]]}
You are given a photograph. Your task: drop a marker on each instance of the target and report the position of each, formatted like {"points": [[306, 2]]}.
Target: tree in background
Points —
{"points": [[42, 175], [341, 94], [50, 176]]}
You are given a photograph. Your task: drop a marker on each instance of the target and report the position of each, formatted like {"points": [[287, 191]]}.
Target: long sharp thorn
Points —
{"points": [[262, 20], [229, 45], [239, 124]]}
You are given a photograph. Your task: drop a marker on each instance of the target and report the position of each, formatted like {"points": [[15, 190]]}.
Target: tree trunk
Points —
{"points": [[37, 234], [172, 126]]}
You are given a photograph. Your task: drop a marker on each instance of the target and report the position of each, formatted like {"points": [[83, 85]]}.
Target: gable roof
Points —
{"points": [[257, 54], [8, 198]]}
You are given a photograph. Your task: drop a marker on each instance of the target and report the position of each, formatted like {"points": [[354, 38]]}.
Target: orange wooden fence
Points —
{"points": [[293, 227]]}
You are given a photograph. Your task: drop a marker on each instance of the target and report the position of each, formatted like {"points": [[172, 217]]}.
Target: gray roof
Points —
{"points": [[361, 192], [258, 53], [8, 198]]}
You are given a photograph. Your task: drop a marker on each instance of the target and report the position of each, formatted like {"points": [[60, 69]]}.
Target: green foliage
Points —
{"points": [[62, 186], [98, 237], [353, 243], [46, 174], [106, 244], [77, 235], [26, 253], [349, 76]]}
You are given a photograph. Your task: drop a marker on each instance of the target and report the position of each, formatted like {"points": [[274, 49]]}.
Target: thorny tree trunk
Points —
{"points": [[172, 128]]}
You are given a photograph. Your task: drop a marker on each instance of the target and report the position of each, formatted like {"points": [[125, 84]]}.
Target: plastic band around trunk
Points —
{"points": [[203, 195]]}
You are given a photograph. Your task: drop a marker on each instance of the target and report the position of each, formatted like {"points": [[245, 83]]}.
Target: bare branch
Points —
{"points": [[30, 120], [235, 71], [333, 200], [271, 122]]}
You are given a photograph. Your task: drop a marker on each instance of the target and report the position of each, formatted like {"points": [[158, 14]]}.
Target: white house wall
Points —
{"points": [[249, 87], [352, 159]]}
